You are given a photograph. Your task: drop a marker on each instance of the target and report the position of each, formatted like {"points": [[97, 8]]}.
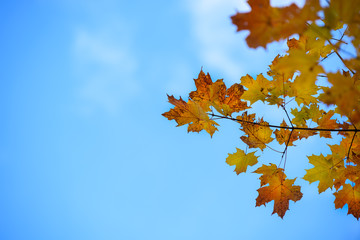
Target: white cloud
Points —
{"points": [[106, 68], [215, 35]]}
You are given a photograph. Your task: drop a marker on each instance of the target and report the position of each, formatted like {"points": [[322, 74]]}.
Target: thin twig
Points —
{"points": [[288, 117], [352, 140], [285, 150], [326, 56]]}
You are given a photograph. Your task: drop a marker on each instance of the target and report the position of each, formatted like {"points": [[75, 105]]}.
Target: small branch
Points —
{"points": [[352, 140], [326, 56], [343, 61], [285, 150], [339, 40], [343, 34], [292, 126], [289, 101]]}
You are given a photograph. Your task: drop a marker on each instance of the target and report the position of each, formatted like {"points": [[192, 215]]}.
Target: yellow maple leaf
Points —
{"points": [[258, 135], [256, 89], [241, 160], [312, 112], [345, 94], [325, 170]]}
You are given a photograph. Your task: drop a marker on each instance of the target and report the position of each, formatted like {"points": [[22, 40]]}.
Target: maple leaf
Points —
{"points": [[326, 123], [256, 89], [258, 135], [190, 113], [232, 102], [352, 172], [303, 87], [325, 170], [338, 154], [281, 190], [311, 43], [209, 93], [345, 94], [312, 112], [267, 172], [342, 11], [285, 135], [241, 160], [267, 24], [279, 77], [351, 196]]}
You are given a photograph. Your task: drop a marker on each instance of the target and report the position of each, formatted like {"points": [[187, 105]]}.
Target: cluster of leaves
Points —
{"points": [[317, 32]]}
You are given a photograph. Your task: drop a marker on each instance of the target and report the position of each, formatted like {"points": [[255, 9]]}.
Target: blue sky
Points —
{"points": [[85, 152]]}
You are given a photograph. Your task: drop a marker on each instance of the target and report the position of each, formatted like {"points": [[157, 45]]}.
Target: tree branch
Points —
{"points": [[284, 127]]}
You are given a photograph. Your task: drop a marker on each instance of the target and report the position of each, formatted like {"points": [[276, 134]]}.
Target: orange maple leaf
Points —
{"points": [[351, 196], [325, 122], [345, 94], [190, 113], [256, 89], [281, 190], [209, 93], [267, 24], [285, 135]]}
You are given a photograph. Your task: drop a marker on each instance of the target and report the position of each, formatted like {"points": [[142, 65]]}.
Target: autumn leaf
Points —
{"points": [[258, 135], [280, 190], [267, 24], [209, 93], [190, 113], [241, 160], [345, 94], [232, 102], [256, 89], [285, 135], [351, 196], [325, 122], [312, 112], [325, 170], [267, 172], [303, 88]]}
